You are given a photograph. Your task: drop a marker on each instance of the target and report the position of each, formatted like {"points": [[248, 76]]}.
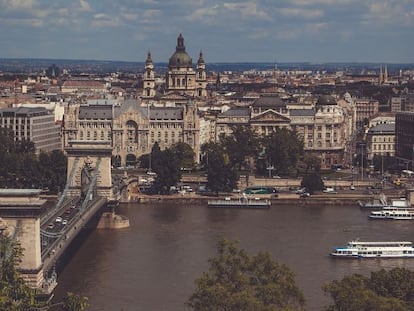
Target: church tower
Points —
{"points": [[381, 77], [180, 76], [148, 90], [201, 79]]}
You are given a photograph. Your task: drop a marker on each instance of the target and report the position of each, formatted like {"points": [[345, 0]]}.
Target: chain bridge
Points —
{"points": [[46, 230]]}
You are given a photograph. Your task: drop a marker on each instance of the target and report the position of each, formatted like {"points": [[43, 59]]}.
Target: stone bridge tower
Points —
{"points": [[20, 211], [89, 162]]}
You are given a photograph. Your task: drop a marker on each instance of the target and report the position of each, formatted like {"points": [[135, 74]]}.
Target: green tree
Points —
{"points": [[15, 295], [221, 176], [238, 281], [312, 161], [241, 144], [155, 161], [20, 167], [283, 149], [312, 183], [184, 154], [383, 290], [168, 174]]}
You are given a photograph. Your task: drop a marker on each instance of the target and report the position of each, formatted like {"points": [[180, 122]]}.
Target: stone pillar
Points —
{"points": [[87, 153], [20, 209]]}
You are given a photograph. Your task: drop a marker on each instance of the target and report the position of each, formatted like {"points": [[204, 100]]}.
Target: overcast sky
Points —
{"points": [[234, 31]]}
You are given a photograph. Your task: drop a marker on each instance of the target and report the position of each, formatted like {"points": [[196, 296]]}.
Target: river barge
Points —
{"points": [[393, 214], [242, 202], [360, 249]]}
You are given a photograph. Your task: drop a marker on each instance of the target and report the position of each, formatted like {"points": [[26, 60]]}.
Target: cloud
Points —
{"points": [[104, 20], [391, 11], [247, 9], [202, 13], [323, 2], [305, 13], [84, 6], [17, 4]]}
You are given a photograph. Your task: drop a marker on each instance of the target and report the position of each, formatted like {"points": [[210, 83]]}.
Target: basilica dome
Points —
{"points": [[180, 58]]}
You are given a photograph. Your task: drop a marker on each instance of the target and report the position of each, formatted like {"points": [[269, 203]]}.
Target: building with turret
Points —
{"points": [[181, 79], [134, 126]]}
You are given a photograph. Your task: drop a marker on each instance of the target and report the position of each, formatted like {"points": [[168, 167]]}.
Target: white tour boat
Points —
{"points": [[393, 214], [360, 249], [242, 202]]}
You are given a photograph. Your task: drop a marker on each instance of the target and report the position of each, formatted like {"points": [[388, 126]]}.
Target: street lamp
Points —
{"points": [[270, 168]]}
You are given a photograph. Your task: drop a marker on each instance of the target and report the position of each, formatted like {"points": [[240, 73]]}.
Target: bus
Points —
{"points": [[260, 190]]}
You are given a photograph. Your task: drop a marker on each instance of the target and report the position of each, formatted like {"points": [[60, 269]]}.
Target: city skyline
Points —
{"points": [[238, 31]]}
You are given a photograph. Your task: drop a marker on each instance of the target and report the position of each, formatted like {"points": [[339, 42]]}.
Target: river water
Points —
{"points": [[153, 264]]}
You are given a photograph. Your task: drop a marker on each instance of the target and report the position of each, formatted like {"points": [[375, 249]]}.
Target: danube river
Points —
{"points": [[153, 264]]}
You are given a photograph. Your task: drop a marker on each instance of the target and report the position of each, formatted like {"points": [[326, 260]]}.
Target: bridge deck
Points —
{"points": [[60, 240]]}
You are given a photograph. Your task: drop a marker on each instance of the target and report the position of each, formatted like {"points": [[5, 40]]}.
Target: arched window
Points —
{"points": [[132, 131]]}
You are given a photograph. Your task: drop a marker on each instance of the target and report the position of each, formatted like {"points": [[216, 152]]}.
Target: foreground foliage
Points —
{"points": [[382, 290], [237, 281], [15, 295]]}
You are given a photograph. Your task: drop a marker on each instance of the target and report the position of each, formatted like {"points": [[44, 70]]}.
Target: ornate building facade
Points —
{"points": [[132, 129], [325, 127], [133, 126]]}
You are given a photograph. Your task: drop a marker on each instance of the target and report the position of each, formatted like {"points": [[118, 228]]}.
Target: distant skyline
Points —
{"points": [[322, 31]]}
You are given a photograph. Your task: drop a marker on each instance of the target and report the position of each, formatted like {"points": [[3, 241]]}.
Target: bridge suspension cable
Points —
{"points": [[68, 183], [92, 185]]}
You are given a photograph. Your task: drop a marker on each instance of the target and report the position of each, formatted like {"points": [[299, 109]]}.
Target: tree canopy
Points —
{"points": [[184, 154], [15, 295], [241, 144], [312, 182], [238, 281], [221, 175], [283, 149], [382, 290], [20, 167]]}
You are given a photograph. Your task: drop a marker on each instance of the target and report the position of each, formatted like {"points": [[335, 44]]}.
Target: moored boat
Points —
{"points": [[382, 202], [361, 249], [393, 214], [242, 202]]}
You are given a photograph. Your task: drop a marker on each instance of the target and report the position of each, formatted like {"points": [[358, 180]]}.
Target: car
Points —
{"points": [[330, 190], [68, 211], [300, 190], [352, 187], [50, 226], [304, 195], [64, 221], [58, 219]]}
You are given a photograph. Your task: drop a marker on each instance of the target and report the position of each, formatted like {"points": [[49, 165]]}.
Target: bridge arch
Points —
{"points": [[89, 161]]}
